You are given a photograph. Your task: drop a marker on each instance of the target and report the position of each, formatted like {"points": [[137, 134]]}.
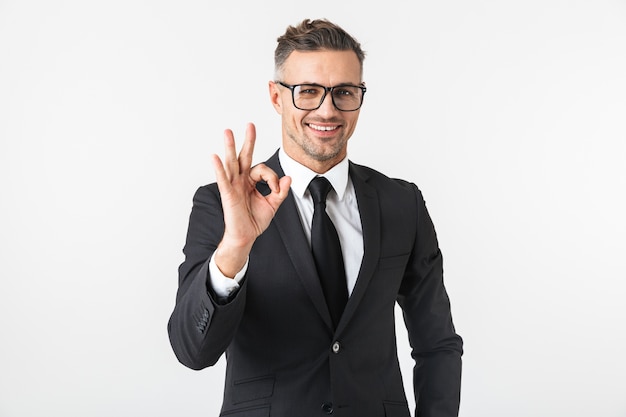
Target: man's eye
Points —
{"points": [[309, 91], [343, 92]]}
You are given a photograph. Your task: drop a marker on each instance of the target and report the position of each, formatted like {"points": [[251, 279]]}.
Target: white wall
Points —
{"points": [[509, 115]]}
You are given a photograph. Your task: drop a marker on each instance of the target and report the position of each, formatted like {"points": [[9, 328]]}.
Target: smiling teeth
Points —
{"points": [[323, 128]]}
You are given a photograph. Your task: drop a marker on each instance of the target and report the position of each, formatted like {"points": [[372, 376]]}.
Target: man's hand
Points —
{"points": [[247, 213]]}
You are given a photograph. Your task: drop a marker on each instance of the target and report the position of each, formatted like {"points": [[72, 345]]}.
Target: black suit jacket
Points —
{"points": [[283, 357]]}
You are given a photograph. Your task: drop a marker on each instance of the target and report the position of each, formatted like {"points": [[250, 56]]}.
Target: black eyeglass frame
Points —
{"points": [[327, 90]]}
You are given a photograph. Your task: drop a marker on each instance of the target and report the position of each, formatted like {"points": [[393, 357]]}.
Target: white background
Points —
{"points": [[509, 115]]}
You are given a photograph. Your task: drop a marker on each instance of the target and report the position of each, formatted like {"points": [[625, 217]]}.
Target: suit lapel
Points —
{"points": [[369, 210], [287, 221]]}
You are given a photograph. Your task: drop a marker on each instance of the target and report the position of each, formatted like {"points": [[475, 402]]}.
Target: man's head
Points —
{"points": [[317, 121], [314, 35]]}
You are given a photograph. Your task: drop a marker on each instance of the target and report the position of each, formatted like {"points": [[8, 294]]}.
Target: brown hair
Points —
{"points": [[314, 35]]}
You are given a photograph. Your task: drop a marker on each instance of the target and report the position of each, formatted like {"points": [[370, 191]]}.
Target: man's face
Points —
{"points": [[317, 138]]}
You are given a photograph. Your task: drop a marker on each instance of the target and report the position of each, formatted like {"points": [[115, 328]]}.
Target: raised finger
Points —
{"points": [[247, 150], [223, 182], [231, 164]]}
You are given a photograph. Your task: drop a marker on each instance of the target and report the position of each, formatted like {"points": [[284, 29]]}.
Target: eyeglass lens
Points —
{"points": [[309, 97]]}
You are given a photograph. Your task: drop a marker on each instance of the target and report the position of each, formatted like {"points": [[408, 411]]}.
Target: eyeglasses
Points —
{"points": [[345, 97]]}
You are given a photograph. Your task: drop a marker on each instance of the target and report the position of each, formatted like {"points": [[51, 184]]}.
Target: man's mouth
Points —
{"points": [[323, 128]]}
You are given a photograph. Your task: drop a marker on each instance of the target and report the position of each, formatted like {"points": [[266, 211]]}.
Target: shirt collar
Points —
{"points": [[301, 176]]}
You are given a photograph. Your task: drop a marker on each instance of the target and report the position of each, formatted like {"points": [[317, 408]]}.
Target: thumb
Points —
{"points": [[275, 198]]}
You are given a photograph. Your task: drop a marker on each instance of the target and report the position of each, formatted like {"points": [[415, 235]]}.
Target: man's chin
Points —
{"points": [[325, 156]]}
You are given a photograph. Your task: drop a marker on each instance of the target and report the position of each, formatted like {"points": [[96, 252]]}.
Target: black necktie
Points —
{"points": [[327, 251]]}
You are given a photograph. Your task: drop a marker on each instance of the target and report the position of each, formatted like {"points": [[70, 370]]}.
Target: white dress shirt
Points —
{"points": [[341, 206]]}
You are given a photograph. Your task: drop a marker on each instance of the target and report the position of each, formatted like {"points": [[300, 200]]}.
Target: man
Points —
{"points": [[300, 340]]}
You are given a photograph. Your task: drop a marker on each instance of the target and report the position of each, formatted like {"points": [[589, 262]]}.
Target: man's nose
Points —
{"points": [[327, 106]]}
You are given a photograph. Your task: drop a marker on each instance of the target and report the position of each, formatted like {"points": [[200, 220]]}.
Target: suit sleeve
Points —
{"points": [[202, 325], [436, 347]]}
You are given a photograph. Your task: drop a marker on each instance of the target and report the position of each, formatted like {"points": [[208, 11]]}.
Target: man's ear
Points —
{"points": [[276, 97]]}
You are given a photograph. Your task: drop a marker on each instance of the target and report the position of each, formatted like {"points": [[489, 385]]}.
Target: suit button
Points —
{"points": [[336, 347], [327, 408]]}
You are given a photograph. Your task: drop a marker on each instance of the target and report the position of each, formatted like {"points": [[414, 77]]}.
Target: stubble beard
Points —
{"points": [[315, 152]]}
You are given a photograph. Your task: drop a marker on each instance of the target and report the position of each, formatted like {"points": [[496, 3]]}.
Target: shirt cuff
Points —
{"points": [[222, 285]]}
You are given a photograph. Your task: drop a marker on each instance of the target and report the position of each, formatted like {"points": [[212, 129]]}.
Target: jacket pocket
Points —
{"points": [[396, 409], [390, 262], [248, 412], [252, 389]]}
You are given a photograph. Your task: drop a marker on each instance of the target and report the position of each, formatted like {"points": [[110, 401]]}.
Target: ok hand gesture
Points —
{"points": [[247, 213]]}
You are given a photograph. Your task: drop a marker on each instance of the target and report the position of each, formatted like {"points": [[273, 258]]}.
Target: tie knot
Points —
{"points": [[319, 188]]}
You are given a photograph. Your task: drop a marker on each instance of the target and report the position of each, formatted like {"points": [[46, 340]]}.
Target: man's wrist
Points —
{"points": [[222, 285], [231, 259]]}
